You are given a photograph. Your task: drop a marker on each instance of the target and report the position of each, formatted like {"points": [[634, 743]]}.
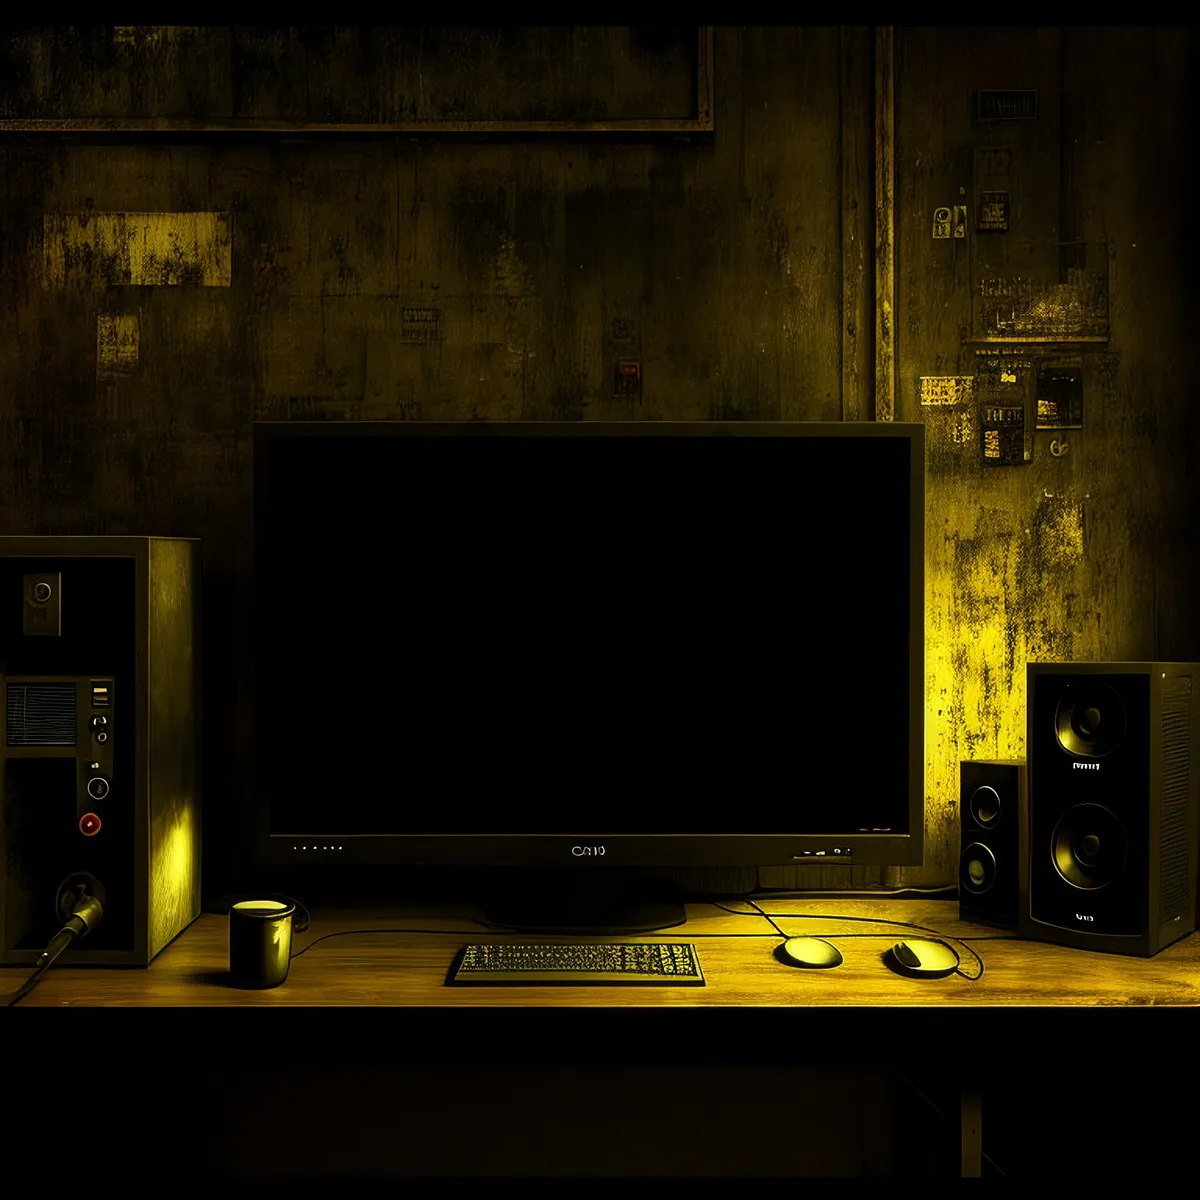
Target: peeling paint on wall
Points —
{"points": [[134, 35], [148, 249], [1059, 527], [1021, 306]]}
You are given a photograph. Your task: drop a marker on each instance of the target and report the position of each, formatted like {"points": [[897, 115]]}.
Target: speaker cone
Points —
{"points": [[977, 868], [1090, 721], [1089, 846], [985, 806]]}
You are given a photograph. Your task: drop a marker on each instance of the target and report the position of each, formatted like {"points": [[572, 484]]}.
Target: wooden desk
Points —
{"points": [[751, 1005], [381, 968]]}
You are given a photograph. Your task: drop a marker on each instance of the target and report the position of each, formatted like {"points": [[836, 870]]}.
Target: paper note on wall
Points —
{"points": [[947, 389]]}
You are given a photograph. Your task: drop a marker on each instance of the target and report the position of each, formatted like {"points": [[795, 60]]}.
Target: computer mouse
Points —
{"points": [[810, 952], [923, 959]]}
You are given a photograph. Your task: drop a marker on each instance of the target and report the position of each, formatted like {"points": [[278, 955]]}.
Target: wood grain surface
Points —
{"points": [[375, 966]]}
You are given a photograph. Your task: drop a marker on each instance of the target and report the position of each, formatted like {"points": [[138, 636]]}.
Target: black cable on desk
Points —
{"points": [[569, 936], [904, 893], [351, 932], [488, 931], [682, 936]]}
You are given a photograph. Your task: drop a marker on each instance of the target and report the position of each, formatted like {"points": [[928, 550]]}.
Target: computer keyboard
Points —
{"points": [[672, 964]]}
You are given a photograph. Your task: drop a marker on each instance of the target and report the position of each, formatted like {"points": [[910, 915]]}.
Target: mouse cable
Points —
{"points": [[900, 1075], [862, 920], [687, 937], [491, 932], [868, 921], [85, 916], [945, 892]]}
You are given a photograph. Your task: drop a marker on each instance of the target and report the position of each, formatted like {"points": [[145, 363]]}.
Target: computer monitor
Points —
{"points": [[571, 646]]}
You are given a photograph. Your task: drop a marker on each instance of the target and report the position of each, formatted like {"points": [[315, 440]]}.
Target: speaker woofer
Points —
{"points": [[977, 869], [985, 806], [1089, 846], [1090, 721]]}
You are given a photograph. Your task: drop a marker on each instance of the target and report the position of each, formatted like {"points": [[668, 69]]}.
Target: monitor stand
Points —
{"points": [[590, 901]]}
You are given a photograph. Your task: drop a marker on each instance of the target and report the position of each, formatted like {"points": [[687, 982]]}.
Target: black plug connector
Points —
{"points": [[85, 916]]}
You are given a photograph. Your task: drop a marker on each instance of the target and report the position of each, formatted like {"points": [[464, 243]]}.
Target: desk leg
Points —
{"points": [[972, 1129]]}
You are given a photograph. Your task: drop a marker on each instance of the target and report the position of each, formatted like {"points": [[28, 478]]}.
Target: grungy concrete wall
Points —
{"points": [[503, 279], [1090, 550]]}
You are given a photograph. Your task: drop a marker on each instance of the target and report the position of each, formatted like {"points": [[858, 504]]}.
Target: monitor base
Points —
{"points": [[586, 904]]}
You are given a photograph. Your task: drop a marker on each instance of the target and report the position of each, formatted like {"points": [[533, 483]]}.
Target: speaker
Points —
{"points": [[1113, 812], [99, 776], [992, 816]]}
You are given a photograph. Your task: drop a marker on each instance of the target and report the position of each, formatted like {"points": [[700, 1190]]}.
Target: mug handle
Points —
{"points": [[299, 919]]}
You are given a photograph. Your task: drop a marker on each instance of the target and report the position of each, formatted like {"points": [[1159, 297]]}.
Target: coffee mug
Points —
{"points": [[260, 939]]}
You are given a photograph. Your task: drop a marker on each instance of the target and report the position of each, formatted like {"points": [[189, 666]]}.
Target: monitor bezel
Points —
{"points": [[628, 850]]}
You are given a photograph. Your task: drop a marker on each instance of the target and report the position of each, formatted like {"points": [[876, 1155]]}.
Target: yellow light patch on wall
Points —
{"points": [[116, 344], [974, 658], [1060, 532], [142, 249]]}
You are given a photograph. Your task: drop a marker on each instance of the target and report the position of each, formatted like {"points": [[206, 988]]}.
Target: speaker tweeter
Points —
{"points": [[41, 615]]}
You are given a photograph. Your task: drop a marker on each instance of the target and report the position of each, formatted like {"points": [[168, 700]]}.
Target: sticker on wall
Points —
{"points": [[164, 249], [1059, 397], [627, 379], [116, 345], [622, 330], [1006, 105], [420, 325], [994, 209], [947, 389], [950, 222], [1004, 379], [961, 429], [1002, 435]]}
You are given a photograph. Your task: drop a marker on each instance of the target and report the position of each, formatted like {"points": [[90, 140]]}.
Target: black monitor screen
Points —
{"points": [[583, 635]]}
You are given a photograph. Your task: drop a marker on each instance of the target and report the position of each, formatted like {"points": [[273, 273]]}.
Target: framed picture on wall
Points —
{"points": [[177, 79]]}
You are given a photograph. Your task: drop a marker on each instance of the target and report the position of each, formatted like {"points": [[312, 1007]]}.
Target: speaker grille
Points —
{"points": [[40, 714], [1176, 703]]}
